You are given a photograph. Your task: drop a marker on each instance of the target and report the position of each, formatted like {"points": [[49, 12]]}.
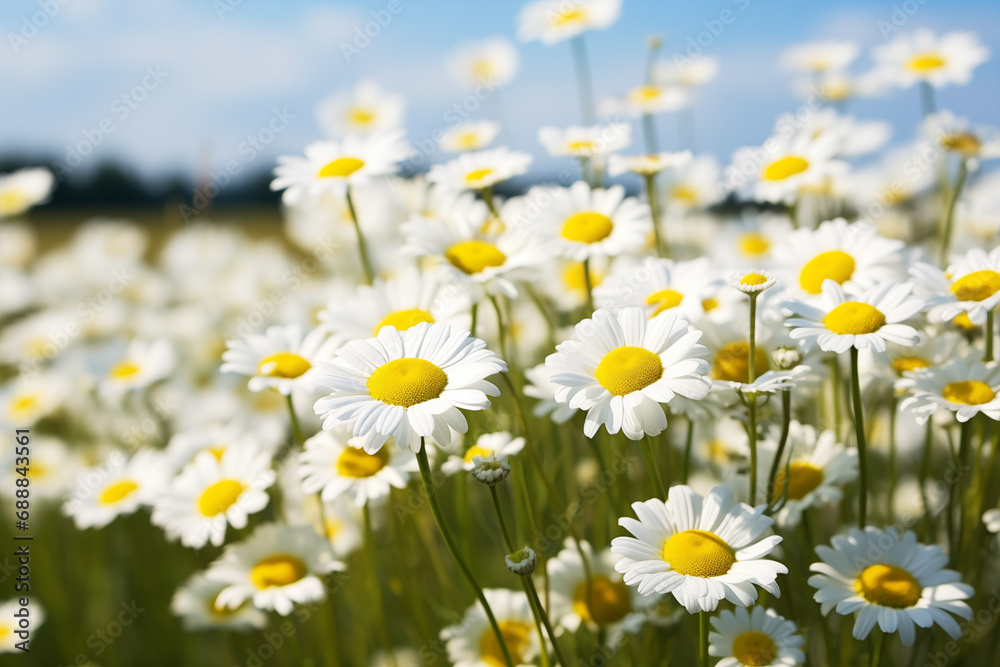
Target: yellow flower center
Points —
{"points": [[482, 69], [709, 304], [277, 570], [754, 649], [753, 279], [834, 265], [903, 364], [753, 244], [23, 404], [217, 451], [626, 369], [474, 256], [361, 116], [962, 321], [517, 636], [587, 227], [962, 142], [732, 363], [13, 202], [219, 497], [926, 62], [341, 167], [217, 609], [610, 601], [684, 193], [854, 317], [475, 451], [567, 16], [283, 365], [575, 277], [404, 319], [785, 167], [467, 140], [580, 146], [976, 286], [968, 392], [663, 300], [407, 382], [117, 492], [698, 553], [123, 370], [802, 478], [477, 175], [645, 94], [888, 586], [358, 463]]}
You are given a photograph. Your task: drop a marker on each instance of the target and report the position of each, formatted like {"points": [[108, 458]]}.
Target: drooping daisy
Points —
{"points": [[143, 363], [366, 109], [594, 142], [479, 170], [500, 445], [333, 166], [922, 56], [333, 467], [701, 550], [660, 285], [276, 567], [621, 366], [648, 164], [788, 163], [838, 324], [472, 135], [541, 388], [971, 285], [195, 603], [754, 638], [473, 643], [10, 624], [210, 494], [955, 135], [281, 358], [22, 189], [552, 21], [408, 385], [820, 57], [964, 385], [891, 580], [119, 485], [489, 63]]}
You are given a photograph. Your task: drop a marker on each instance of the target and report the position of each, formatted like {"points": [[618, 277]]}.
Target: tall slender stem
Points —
{"points": [[503, 525], [588, 282], [879, 649], [927, 103], [752, 359], [752, 434], [649, 133], [989, 336], [859, 432], [501, 328], [432, 500], [475, 318], [646, 444], [583, 84], [362, 247], [949, 219], [376, 589], [293, 418], [662, 247], [703, 639], [786, 419], [536, 603], [688, 441]]}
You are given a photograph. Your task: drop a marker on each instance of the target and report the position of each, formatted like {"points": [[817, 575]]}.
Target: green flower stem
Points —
{"points": [[649, 133], [293, 418], [989, 336], [376, 590], [589, 282], [688, 441], [487, 195], [964, 447], [432, 500], [703, 639], [475, 318], [949, 217], [786, 419], [862, 442], [892, 459], [646, 444], [503, 525], [583, 84], [752, 434], [927, 103], [752, 360], [501, 329], [662, 247], [879, 649], [536, 604], [362, 247]]}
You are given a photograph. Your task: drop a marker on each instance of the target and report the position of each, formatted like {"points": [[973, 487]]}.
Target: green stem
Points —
{"points": [[927, 104], [703, 639], [989, 336], [793, 214], [892, 459], [688, 441], [859, 432], [432, 500], [949, 219], [536, 603], [879, 648], [964, 446], [296, 431], [589, 283], [834, 364], [503, 525], [375, 595], [646, 444], [362, 247], [487, 195], [649, 133], [583, 85], [786, 419], [501, 329], [752, 360], [662, 248], [752, 433], [475, 319]]}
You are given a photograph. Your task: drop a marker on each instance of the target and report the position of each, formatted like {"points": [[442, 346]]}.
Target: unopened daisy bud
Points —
{"points": [[753, 281], [654, 41], [522, 561], [489, 470], [786, 358]]}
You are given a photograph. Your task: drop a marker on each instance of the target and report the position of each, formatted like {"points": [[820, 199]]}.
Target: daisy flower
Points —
{"points": [[621, 366], [281, 358], [499, 445], [693, 185], [217, 439], [688, 73], [594, 142], [196, 604], [925, 57], [819, 57], [971, 285], [276, 567], [754, 638], [472, 642], [408, 385], [660, 285], [954, 135], [752, 281], [648, 99], [472, 135], [964, 385], [701, 550], [210, 494], [991, 518], [875, 317], [891, 580], [647, 165], [365, 110], [541, 388], [51, 472], [479, 170], [333, 466], [25, 401], [787, 164], [490, 63], [117, 486], [23, 189], [333, 166], [143, 363], [552, 21], [10, 626]]}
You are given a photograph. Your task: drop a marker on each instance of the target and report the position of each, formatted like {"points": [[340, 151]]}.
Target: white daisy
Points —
{"points": [[693, 184], [479, 170], [473, 643], [552, 21], [51, 471], [594, 142], [955, 135], [472, 135], [754, 638], [25, 400], [660, 285], [367, 109], [499, 445], [541, 388], [819, 57], [838, 324], [922, 56], [621, 366], [276, 567], [701, 550], [490, 63], [889, 579], [119, 485], [991, 518], [647, 165], [281, 358], [971, 285], [786, 165], [22, 189], [647, 99], [218, 438], [408, 385], [964, 385], [752, 281], [143, 363], [687, 72], [195, 603], [10, 624]]}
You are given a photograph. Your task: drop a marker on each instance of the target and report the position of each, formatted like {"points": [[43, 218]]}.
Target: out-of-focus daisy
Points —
{"points": [[621, 366], [473, 643], [956, 135], [480, 169], [694, 185], [22, 189], [24, 401], [51, 471], [789, 163], [333, 166], [490, 63], [398, 657], [891, 580], [853, 137], [281, 358], [541, 387], [217, 439], [839, 323], [819, 57], [195, 603], [754, 638], [500, 445], [594, 142], [971, 285], [659, 285], [333, 467], [472, 135], [702, 550], [408, 385], [647, 165], [209, 494], [964, 385], [646, 99], [10, 623], [276, 567], [689, 73], [365, 110], [119, 485], [552, 21], [991, 518], [923, 56], [143, 363]]}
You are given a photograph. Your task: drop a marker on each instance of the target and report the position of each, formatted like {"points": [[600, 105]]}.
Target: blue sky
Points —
{"points": [[222, 73]]}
